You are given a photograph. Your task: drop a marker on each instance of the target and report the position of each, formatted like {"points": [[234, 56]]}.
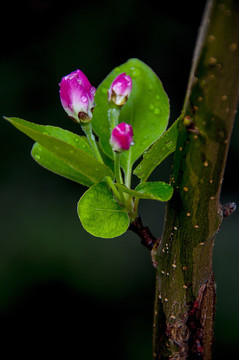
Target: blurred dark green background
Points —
{"points": [[62, 291]]}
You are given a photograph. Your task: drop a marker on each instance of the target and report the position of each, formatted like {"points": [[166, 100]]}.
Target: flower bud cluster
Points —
{"points": [[77, 98]]}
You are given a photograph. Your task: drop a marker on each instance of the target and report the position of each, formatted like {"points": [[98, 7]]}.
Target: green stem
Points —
{"points": [[118, 175], [113, 116], [87, 128], [135, 212], [112, 186], [128, 171], [127, 181]]}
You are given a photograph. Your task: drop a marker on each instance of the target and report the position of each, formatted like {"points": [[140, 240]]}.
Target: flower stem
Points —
{"points": [[113, 116], [87, 128], [118, 175], [128, 171]]}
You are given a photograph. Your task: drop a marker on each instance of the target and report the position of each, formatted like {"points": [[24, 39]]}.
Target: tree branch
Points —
{"points": [[147, 238], [185, 290]]}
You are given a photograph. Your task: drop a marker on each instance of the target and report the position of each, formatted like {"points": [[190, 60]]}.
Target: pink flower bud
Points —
{"points": [[120, 89], [77, 96], [122, 137]]}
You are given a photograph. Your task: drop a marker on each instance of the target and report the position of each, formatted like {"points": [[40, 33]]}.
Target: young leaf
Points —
{"points": [[100, 214], [147, 110], [66, 146], [51, 162], [157, 190], [162, 148]]}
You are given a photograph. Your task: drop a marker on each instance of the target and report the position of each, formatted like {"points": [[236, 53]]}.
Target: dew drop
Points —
{"points": [[156, 111], [104, 91], [76, 140], [151, 107], [84, 99], [117, 69], [37, 157], [135, 72]]}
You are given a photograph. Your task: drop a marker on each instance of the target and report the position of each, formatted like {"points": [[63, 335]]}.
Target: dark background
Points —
{"points": [[62, 291]]}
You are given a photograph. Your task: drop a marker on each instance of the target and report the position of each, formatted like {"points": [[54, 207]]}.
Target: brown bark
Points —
{"points": [[185, 286]]}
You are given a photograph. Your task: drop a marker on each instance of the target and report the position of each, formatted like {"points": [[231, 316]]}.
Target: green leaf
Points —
{"points": [[156, 190], [162, 148], [100, 214], [68, 147], [147, 110], [51, 162]]}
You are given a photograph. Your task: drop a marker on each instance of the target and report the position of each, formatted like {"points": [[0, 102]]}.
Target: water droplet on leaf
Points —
{"points": [[104, 91], [135, 72]]}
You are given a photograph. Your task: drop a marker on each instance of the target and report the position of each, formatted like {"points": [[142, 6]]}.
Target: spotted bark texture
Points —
{"points": [[185, 287]]}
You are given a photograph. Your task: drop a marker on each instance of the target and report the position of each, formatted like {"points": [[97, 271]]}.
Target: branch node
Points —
{"points": [[147, 238]]}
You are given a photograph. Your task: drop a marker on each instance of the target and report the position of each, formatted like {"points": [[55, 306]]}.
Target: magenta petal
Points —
{"points": [[82, 79], [122, 85], [120, 89], [65, 93], [121, 137], [77, 95]]}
